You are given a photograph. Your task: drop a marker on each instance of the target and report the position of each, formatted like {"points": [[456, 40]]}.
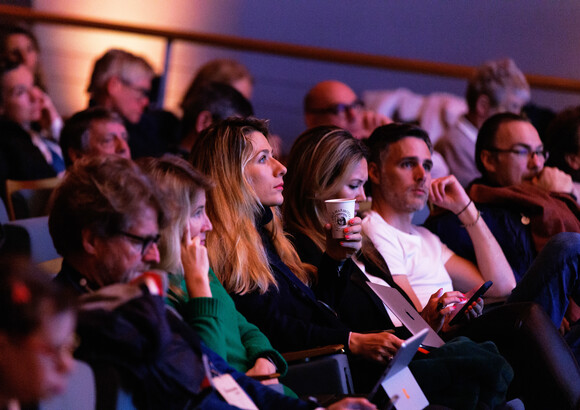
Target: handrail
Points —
{"points": [[286, 49]]}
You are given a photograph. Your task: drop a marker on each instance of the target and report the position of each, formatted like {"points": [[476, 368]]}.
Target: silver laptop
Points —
{"points": [[406, 313], [397, 380]]}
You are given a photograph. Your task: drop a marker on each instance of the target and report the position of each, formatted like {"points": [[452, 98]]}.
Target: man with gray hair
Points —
{"points": [[122, 82], [496, 87], [94, 131]]}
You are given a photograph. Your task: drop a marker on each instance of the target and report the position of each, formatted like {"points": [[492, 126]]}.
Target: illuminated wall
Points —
{"points": [[68, 53]]}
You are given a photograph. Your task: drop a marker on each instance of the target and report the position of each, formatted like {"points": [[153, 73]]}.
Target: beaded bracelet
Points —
{"points": [[474, 222], [463, 210]]}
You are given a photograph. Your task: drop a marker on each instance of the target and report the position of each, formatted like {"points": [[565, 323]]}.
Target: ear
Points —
{"points": [[89, 241], [114, 85], [204, 120], [483, 106], [488, 161], [573, 161], [374, 173]]}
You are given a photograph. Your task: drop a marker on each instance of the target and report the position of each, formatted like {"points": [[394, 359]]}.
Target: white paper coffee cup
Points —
{"points": [[340, 211]]}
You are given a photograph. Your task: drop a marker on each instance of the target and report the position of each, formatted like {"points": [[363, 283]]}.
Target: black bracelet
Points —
{"points": [[463, 210]]}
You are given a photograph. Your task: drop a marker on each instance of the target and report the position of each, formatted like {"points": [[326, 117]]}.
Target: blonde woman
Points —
{"points": [[195, 291], [251, 254]]}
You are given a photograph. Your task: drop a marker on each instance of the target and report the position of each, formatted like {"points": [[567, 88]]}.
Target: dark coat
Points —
{"points": [[290, 316]]}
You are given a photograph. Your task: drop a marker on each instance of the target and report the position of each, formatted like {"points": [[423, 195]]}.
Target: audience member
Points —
{"points": [[121, 82], [525, 202], [208, 103], [335, 103], [94, 131], [37, 321], [563, 145], [25, 153], [325, 162], [497, 86], [223, 71], [18, 44], [105, 223], [423, 267], [194, 289]]}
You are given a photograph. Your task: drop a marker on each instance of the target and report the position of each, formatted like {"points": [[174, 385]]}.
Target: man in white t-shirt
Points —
{"points": [[400, 175]]}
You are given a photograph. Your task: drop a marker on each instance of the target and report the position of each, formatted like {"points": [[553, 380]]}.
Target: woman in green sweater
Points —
{"points": [[194, 289]]}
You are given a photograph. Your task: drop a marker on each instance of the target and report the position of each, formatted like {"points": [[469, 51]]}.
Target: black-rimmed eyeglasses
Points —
{"points": [[338, 109], [146, 241], [523, 152]]}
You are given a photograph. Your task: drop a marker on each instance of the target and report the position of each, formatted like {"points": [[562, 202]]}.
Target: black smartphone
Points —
{"points": [[479, 293]]}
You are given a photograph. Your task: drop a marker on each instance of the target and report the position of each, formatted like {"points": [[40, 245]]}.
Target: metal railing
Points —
{"points": [[278, 48]]}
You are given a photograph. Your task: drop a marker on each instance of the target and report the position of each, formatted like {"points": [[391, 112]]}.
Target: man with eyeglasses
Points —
{"points": [[122, 82], [524, 203], [335, 103]]}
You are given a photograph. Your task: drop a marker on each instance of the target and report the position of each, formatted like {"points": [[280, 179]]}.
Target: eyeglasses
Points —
{"points": [[146, 241], [140, 91], [524, 152], [338, 109]]}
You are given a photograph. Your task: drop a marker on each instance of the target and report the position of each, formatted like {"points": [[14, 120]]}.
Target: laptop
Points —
{"points": [[406, 313], [397, 380]]}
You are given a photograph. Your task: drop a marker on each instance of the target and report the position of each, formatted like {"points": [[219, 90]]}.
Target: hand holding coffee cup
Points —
{"points": [[340, 211]]}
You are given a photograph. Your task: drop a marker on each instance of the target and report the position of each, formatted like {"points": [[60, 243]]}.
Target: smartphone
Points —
{"points": [[478, 293]]}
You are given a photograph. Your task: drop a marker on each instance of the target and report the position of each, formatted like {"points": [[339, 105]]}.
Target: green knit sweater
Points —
{"points": [[223, 329]]}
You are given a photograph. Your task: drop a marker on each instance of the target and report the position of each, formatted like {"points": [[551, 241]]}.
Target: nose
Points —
{"points": [[207, 226], [279, 169], [360, 195], [121, 146], [535, 160], [420, 173], [152, 255]]}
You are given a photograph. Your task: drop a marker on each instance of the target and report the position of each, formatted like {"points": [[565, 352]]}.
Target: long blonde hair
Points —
{"points": [[320, 162], [180, 186], [235, 248]]}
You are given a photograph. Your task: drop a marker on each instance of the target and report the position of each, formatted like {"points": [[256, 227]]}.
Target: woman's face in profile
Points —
{"points": [[37, 366], [264, 172], [199, 222]]}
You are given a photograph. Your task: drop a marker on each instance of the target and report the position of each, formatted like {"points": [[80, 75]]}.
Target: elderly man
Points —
{"points": [[497, 86], [105, 223], [421, 265], [94, 131], [122, 82]]}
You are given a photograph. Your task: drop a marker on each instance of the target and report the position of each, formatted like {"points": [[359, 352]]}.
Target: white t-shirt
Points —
{"points": [[419, 255]]}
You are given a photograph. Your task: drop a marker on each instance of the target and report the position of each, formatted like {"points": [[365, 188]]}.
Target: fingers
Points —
{"points": [[187, 236]]}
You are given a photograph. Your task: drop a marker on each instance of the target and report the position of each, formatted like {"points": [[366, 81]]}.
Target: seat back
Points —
{"points": [[32, 195], [41, 246], [96, 387]]}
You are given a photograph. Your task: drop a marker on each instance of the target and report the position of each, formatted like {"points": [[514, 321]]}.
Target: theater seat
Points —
{"points": [[91, 388]]}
